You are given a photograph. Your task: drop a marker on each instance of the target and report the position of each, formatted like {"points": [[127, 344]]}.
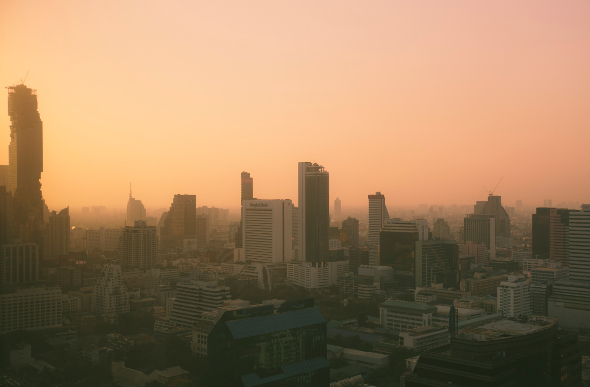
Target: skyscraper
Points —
{"points": [[378, 215], [135, 210], [26, 163], [481, 229], [337, 208], [493, 207], [551, 234], [579, 244], [350, 228], [181, 221], [57, 234], [138, 246], [247, 186], [397, 247], [437, 262], [314, 212], [203, 231]]}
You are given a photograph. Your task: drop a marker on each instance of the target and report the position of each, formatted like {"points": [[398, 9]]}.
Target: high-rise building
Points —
{"points": [[514, 297], [478, 250], [19, 263], [437, 262], [397, 246], [247, 193], [57, 234], [26, 163], [6, 215], [138, 246], [193, 298], [350, 229], [203, 231], [357, 256], [267, 233], [579, 244], [260, 347], [135, 210], [378, 215], [180, 222], [441, 229], [314, 212], [493, 207], [551, 234], [481, 229], [30, 308], [110, 293], [337, 208]]}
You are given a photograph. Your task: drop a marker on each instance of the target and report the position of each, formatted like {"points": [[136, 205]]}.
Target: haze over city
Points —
{"points": [[425, 102]]}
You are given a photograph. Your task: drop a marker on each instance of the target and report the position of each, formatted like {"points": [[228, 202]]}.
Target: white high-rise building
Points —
{"points": [[138, 246], [423, 230], [514, 297], [267, 230], [110, 293], [378, 215], [579, 244], [193, 298]]}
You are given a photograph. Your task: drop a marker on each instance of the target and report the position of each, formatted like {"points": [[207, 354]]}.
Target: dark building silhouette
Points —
{"points": [[503, 353], [437, 261], [441, 229], [135, 210], [247, 194], [397, 244], [350, 229], [57, 234], [551, 234], [357, 256], [26, 163], [6, 216], [260, 347], [314, 212], [493, 207], [180, 222], [138, 246]]}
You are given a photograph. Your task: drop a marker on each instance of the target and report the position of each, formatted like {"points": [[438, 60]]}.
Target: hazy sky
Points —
{"points": [[425, 101]]}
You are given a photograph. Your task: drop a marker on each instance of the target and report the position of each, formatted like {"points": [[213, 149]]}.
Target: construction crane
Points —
{"points": [[494, 190]]}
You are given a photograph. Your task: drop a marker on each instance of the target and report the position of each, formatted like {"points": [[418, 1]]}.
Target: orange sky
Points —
{"points": [[425, 101]]}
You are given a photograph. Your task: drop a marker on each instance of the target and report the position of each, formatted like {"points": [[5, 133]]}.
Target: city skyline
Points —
{"points": [[410, 94]]}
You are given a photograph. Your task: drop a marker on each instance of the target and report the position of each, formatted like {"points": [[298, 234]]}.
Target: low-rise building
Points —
{"points": [[424, 338], [370, 360], [402, 315], [316, 275]]}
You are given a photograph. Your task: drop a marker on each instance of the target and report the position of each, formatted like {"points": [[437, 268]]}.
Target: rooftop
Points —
{"points": [[410, 306], [255, 326], [507, 328]]}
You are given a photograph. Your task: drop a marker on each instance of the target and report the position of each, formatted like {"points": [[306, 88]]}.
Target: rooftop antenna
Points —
{"points": [[26, 76], [494, 190], [130, 191]]}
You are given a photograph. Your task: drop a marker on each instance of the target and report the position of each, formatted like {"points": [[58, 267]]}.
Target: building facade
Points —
{"points": [[138, 246], [30, 309], [180, 222], [378, 215], [110, 293], [481, 229], [437, 262], [514, 297], [19, 263], [193, 298], [313, 212]]}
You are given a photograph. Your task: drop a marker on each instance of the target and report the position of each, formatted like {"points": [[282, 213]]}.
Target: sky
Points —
{"points": [[424, 101]]}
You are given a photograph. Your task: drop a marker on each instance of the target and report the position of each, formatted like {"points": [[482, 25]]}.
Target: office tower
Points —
{"points": [[260, 347], [493, 207], [247, 186], [6, 216], [478, 250], [514, 297], [138, 246], [26, 164], [314, 212], [5, 176], [337, 208], [30, 308], [551, 234], [193, 298], [481, 229], [57, 234], [135, 210], [503, 353], [69, 277], [377, 217], [267, 232], [579, 244], [203, 231], [441, 229], [350, 228], [180, 222], [19, 263], [110, 293], [357, 256], [295, 231], [103, 239], [397, 244], [437, 262]]}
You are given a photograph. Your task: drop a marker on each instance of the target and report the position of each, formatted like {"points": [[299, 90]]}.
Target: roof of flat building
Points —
{"points": [[410, 306], [421, 331], [259, 325], [503, 329]]}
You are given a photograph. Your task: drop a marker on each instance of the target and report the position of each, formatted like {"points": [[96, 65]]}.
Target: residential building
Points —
{"points": [[193, 298], [181, 221], [378, 215], [437, 262], [350, 230], [314, 212], [289, 343], [481, 229], [402, 315], [110, 293], [266, 230], [57, 234], [337, 208], [138, 246], [514, 297], [30, 308], [318, 275], [19, 263]]}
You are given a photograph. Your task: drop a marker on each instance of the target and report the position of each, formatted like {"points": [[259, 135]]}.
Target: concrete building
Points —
{"points": [[437, 262], [481, 229], [478, 250], [19, 263], [493, 207], [138, 246], [520, 255], [579, 244], [266, 230], [30, 308], [316, 275], [193, 298], [539, 295], [110, 293], [549, 274], [482, 286], [424, 338], [370, 360], [378, 215], [372, 279], [57, 234], [514, 297], [441, 229], [337, 208], [103, 239], [350, 229], [402, 315], [551, 234], [314, 212], [6, 214]]}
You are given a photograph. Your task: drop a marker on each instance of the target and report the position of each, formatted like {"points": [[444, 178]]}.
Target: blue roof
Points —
{"points": [[289, 370], [274, 322]]}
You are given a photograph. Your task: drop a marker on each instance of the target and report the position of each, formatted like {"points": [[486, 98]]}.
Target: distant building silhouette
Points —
{"points": [[378, 215], [138, 246], [337, 208], [551, 234], [314, 212], [202, 231], [57, 234], [481, 229], [181, 221], [135, 210], [441, 229], [350, 228], [493, 207]]}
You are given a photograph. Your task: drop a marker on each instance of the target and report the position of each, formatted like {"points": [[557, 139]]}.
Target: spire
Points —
{"points": [[130, 196]]}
